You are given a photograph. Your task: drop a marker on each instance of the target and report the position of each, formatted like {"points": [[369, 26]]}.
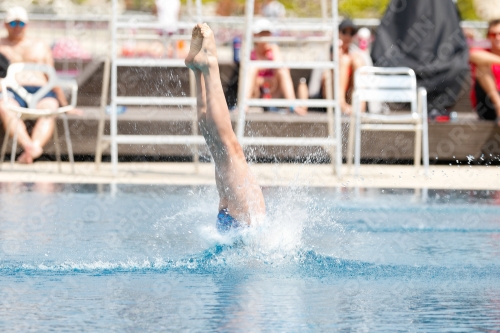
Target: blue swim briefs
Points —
{"points": [[226, 222], [31, 90]]}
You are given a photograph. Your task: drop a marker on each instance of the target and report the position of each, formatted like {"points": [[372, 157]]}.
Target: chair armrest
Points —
{"points": [[73, 86]]}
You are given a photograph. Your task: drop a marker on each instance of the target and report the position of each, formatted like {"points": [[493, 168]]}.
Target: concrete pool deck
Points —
{"points": [[380, 176]]}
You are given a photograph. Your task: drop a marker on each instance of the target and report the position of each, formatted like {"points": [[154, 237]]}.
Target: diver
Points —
{"points": [[240, 197]]}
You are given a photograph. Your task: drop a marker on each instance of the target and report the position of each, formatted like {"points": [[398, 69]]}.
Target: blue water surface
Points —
{"points": [[131, 258]]}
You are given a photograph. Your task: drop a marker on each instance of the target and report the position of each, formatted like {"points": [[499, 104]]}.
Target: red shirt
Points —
{"points": [[268, 73], [495, 69]]}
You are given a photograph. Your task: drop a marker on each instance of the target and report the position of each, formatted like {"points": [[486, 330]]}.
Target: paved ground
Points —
{"points": [[387, 176]]}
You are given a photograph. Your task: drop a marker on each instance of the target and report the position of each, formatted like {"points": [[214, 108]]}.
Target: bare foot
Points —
{"points": [[30, 153], [300, 110], [25, 158], [345, 108], [195, 47], [202, 51], [76, 112]]}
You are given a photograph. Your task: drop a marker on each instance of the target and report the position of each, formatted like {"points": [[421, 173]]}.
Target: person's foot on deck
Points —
{"points": [[202, 51], [30, 153]]}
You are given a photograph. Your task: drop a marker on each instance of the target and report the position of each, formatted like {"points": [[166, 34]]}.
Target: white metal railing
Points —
{"points": [[115, 138], [325, 25], [92, 30]]}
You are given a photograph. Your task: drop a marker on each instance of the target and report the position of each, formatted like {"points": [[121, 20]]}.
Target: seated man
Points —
{"points": [[241, 200], [485, 96], [270, 83], [17, 47]]}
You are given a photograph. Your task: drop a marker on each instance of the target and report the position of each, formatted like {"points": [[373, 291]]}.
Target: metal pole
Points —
{"points": [[324, 11], [198, 11], [102, 112], [247, 46], [336, 83], [190, 9], [114, 78], [194, 124]]}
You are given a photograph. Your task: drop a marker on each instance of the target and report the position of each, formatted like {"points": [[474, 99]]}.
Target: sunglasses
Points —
{"points": [[493, 34], [19, 24], [348, 32]]}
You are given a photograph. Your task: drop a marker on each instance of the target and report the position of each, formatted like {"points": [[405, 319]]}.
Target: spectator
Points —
{"points": [[17, 47], [349, 61], [269, 83], [485, 96]]}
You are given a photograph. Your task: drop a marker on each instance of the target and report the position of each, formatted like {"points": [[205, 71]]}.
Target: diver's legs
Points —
{"points": [[238, 188]]}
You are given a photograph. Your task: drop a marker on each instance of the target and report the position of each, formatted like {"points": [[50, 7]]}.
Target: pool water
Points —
{"points": [[123, 258]]}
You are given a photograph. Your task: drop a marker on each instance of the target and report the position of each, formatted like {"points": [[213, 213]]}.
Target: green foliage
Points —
{"points": [[466, 9], [308, 8], [144, 5], [376, 8], [363, 8]]}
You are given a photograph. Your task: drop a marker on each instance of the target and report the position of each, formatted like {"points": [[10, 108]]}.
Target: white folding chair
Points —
{"points": [[397, 84], [31, 112]]}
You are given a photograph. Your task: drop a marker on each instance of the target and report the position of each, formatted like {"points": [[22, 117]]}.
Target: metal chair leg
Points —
{"points": [[357, 148], [425, 129], [4, 143], [57, 146], [102, 113], [418, 145], [14, 142], [425, 144], [352, 127], [68, 143]]}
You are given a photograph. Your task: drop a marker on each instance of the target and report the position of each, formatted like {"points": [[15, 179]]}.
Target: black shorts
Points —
{"points": [[31, 90], [484, 108]]}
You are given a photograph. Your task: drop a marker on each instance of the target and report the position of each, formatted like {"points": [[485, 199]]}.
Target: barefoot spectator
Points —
{"points": [[17, 47], [269, 83], [485, 94], [349, 61]]}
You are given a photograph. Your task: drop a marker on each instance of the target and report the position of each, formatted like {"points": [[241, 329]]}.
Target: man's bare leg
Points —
{"points": [[345, 73], [286, 85], [42, 132], [9, 119], [44, 127], [238, 189]]}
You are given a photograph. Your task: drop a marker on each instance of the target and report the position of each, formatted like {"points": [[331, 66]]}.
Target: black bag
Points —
{"points": [[4, 64], [425, 35]]}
